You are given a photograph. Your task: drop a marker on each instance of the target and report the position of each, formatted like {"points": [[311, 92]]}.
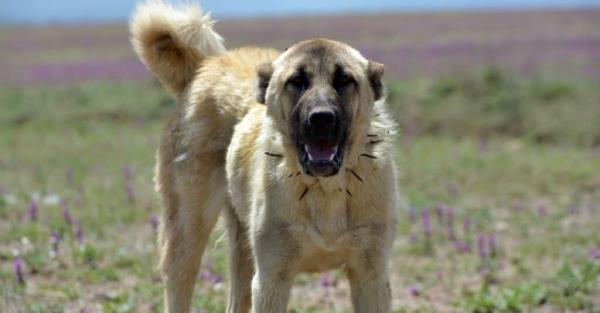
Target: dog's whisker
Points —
{"points": [[370, 156], [374, 142], [356, 175], [303, 194], [277, 155], [349, 193]]}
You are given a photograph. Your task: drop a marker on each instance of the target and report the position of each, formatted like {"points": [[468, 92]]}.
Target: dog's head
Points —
{"points": [[320, 93]]}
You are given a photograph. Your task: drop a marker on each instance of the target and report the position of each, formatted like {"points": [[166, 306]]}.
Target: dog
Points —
{"points": [[295, 147]]}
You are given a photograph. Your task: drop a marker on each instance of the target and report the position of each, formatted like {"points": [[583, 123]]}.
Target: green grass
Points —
{"points": [[494, 102], [72, 143]]}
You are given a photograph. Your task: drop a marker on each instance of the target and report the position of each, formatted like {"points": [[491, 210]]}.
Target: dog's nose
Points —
{"points": [[322, 118]]}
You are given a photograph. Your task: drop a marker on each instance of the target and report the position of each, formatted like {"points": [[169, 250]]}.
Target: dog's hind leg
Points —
{"points": [[193, 195], [241, 267]]}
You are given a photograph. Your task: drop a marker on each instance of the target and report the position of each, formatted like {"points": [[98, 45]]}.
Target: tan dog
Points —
{"points": [[295, 146]]}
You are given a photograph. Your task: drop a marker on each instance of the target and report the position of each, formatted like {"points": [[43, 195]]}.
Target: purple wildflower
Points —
{"points": [[484, 271], [217, 278], [413, 290], [129, 190], [66, 213], [542, 209], [572, 208], [413, 238], [595, 254], [425, 222], [211, 277], [153, 219], [79, 233], [440, 276], [461, 246], [86, 310], [208, 274], [519, 206], [205, 275], [54, 241], [327, 280], [591, 207], [32, 210], [439, 211], [18, 269], [450, 223], [481, 246], [126, 170]]}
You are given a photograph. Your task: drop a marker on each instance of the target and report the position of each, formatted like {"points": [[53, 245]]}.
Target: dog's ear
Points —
{"points": [[375, 74], [265, 71]]}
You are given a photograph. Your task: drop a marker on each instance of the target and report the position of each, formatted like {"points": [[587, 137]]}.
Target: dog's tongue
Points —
{"points": [[319, 154]]}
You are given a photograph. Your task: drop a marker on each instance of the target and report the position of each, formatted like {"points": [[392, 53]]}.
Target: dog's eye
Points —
{"points": [[297, 82], [342, 81]]}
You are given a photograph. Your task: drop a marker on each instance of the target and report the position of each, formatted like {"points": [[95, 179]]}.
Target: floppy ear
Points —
{"points": [[265, 71], [375, 75]]}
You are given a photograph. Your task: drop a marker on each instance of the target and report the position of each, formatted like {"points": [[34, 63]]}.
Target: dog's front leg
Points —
{"points": [[369, 277], [270, 294], [276, 255], [370, 291]]}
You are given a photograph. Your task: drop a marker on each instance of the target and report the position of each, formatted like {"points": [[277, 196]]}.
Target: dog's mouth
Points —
{"points": [[321, 130], [321, 157]]}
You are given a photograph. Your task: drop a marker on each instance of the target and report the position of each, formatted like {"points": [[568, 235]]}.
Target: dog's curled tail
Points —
{"points": [[172, 41]]}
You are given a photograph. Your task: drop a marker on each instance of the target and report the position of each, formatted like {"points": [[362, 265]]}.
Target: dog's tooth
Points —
{"points": [[333, 153], [306, 149]]}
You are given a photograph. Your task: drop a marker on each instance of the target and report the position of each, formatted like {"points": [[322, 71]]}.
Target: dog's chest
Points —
{"points": [[325, 241], [328, 227], [326, 219]]}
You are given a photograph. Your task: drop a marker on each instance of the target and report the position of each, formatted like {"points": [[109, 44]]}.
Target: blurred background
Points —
{"points": [[498, 105]]}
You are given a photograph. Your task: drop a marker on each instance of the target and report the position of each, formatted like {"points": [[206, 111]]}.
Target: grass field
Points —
{"points": [[513, 224], [499, 157]]}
